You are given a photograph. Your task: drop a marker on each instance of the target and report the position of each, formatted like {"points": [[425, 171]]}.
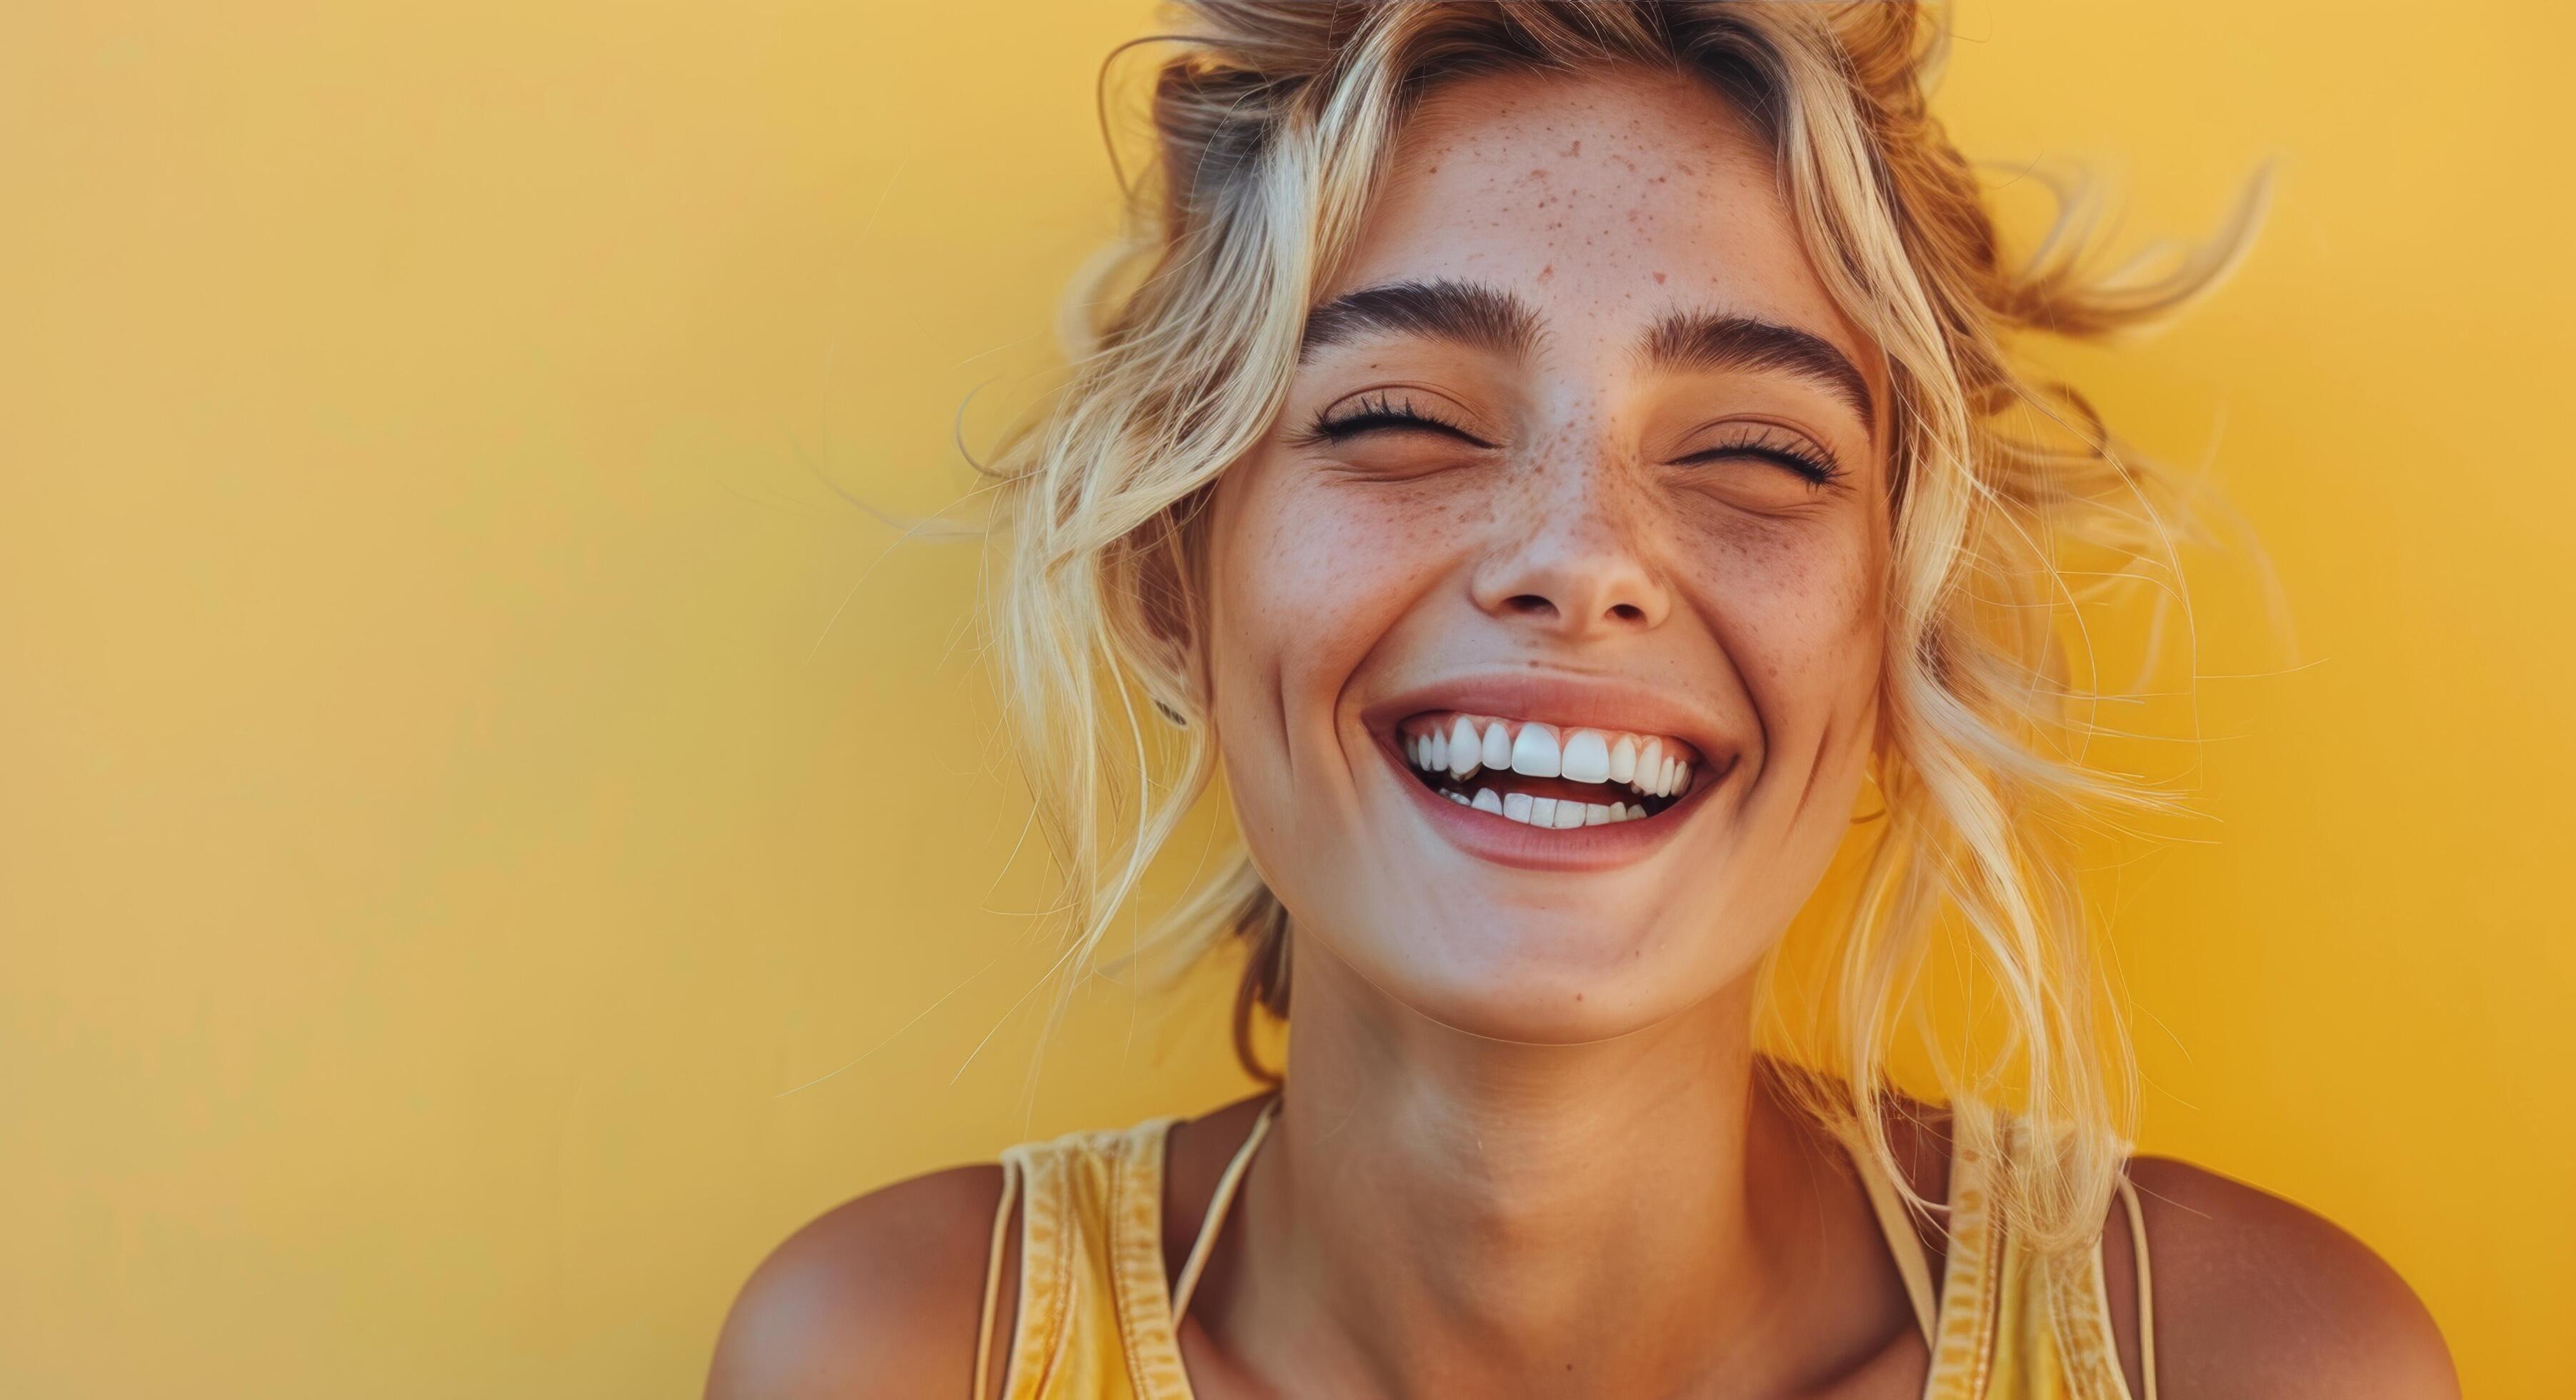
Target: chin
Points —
{"points": [[1566, 975]]}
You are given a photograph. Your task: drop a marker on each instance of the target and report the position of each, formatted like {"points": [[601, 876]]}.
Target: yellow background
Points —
{"points": [[463, 758]]}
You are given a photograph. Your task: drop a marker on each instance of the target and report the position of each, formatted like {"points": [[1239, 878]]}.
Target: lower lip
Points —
{"points": [[1493, 837]]}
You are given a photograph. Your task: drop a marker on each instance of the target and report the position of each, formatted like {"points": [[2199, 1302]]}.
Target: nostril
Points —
{"points": [[1531, 604], [1628, 612]]}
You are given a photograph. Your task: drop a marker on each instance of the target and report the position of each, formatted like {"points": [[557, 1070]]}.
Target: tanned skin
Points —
{"points": [[2255, 1296], [1525, 1146]]}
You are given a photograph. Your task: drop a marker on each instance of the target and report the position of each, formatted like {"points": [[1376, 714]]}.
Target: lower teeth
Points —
{"points": [[1560, 813]]}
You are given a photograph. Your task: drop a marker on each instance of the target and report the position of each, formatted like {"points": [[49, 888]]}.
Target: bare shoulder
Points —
{"points": [[877, 1297], [2256, 1296]]}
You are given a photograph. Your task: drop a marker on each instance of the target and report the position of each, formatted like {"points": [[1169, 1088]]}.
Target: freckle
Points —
{"points": [[1574, 150]]}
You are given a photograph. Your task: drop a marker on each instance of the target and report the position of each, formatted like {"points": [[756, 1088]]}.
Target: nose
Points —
{"points": [[1581, 572]]}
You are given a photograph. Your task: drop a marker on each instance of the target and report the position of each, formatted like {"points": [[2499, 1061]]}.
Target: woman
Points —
{"points": [[1563, 461]]}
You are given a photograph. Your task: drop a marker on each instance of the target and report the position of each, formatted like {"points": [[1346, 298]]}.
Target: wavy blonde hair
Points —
{"points": [[1273, 122]]}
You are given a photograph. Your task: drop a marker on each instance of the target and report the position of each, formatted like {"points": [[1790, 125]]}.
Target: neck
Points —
{"points": [[1438, 1212]]}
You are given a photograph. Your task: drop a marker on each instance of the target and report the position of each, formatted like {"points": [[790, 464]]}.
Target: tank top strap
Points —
{"points": [[1205, 1244], [1094, 1315], [1963, 1341], [2146, 1286], [1896, 1223], [2016, 1323]]}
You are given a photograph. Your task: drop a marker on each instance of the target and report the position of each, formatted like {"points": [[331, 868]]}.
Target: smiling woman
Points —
{"points": [[1559, 461]]}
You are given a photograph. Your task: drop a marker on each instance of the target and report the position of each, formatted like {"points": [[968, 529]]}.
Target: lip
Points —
{"points": [[1564, 701]]}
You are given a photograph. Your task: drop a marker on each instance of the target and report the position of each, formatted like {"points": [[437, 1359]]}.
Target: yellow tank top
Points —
{"points": [[1096, 1319]]}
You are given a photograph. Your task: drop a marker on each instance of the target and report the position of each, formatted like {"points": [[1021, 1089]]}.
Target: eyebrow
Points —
{"points": [[1485, 318], [1713, 340], [1489, 318]]}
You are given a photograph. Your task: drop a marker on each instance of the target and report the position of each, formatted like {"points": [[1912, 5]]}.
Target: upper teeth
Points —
{"points": [[1461, 744]]}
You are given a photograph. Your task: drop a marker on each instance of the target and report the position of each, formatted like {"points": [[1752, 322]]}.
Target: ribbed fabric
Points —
{"points": [[2014, 1325], [1095, 1314], [1096, 1318]]}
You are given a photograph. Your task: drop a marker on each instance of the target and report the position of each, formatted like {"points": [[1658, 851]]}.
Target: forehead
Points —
{"points": [[1604, 198]]}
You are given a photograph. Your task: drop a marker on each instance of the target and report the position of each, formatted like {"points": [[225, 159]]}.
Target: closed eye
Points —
{"points": [[1378, 413], [1765, 443]]}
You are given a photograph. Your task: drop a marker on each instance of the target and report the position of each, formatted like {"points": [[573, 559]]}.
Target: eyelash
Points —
{"points": [[1377, 411], [1780, 448], [1383, 410]]}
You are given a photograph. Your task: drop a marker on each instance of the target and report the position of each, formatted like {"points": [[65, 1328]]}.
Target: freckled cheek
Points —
{"points": [[1798, 607], [1311, 578], [1317, 577]]}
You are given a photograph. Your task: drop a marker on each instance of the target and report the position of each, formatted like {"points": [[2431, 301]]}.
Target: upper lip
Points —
{"points": [[1567, 701]]}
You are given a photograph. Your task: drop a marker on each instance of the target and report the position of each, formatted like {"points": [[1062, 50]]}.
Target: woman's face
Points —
{"points": [[1582, 472]]}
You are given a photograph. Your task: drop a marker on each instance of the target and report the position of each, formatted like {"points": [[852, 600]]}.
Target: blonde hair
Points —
{"points": [[1273, 121]]}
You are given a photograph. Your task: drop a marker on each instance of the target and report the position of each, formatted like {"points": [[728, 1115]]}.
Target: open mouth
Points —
{"points": [[1543, 774]]}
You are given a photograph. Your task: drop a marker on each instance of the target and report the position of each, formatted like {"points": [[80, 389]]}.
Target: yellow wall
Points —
{"points": [[460, 759]]}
